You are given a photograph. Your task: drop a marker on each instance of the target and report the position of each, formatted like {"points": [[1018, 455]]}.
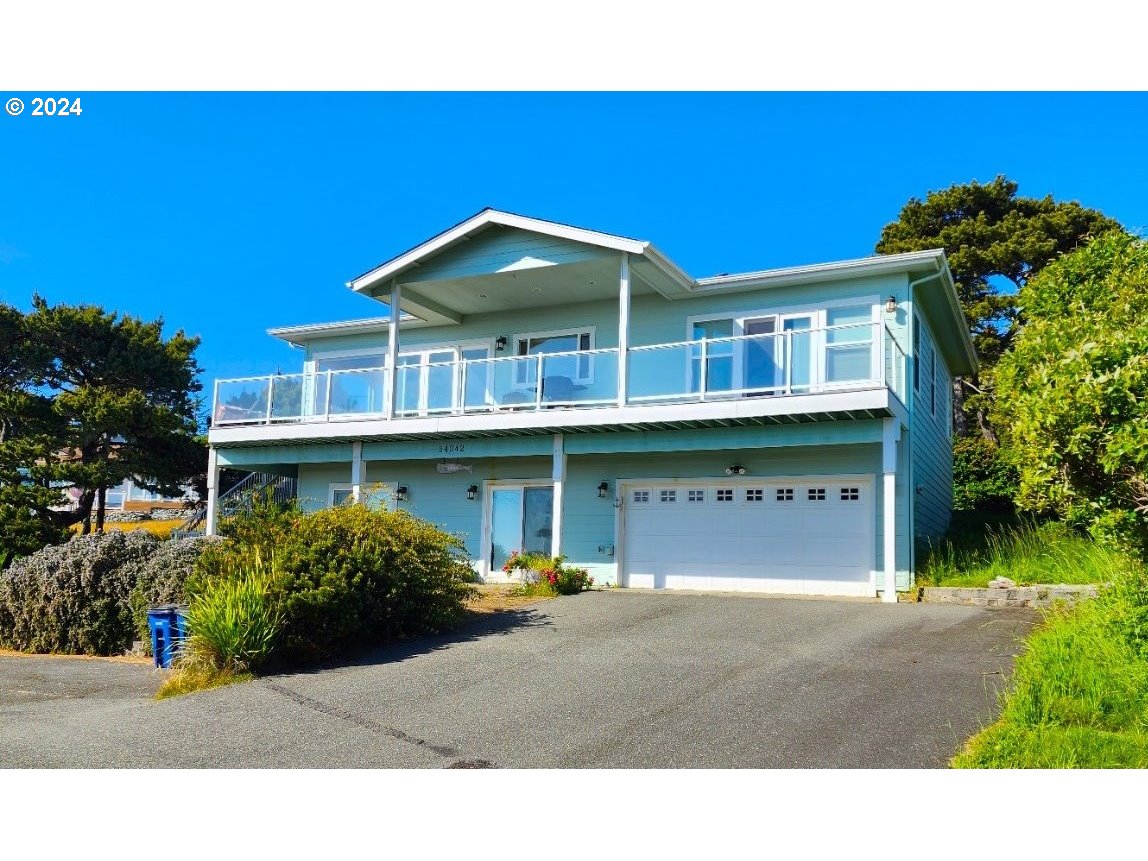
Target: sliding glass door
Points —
{"points": [[521, 519]]}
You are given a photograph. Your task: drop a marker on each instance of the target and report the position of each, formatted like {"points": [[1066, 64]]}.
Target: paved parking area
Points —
{"points": [[616, 678]]}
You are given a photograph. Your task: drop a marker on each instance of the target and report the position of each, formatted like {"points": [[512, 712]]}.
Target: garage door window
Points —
{"points": [[785, 494], [754, 494], [850, 494], [817, 494], [696, 496], [641, 496], [668, 496], [724, 494]]}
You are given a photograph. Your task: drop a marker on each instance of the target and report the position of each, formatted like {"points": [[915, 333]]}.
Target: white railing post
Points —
{"points": [[215, 402], [704, 372], [327, 399], [270, 390], [538, 385], [789, 363], [624, 329]]}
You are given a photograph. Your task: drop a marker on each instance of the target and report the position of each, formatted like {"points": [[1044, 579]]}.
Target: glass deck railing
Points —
{"points": [[802, 361]]}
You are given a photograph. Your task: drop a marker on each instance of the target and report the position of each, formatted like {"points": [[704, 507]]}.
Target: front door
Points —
{"points": [[522, 519]]}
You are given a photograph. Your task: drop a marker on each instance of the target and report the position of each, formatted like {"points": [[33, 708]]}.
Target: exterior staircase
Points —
{"points": [[240, 499]]}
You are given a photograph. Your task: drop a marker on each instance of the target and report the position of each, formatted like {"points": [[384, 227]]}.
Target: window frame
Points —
{"points": [[585, 363], [818, 312]]}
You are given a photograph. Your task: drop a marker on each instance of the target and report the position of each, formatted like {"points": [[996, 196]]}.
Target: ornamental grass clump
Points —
{"points": [[233, 622]]}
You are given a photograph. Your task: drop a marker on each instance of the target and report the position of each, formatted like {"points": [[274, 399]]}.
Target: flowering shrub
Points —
{"points": [[549, 573]]}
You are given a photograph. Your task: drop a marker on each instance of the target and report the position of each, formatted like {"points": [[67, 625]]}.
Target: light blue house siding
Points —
{"points": [[931, 435], [589, 522]]}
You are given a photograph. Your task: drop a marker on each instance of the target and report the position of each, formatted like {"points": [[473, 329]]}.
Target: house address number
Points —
{"points": [[452, 448]]}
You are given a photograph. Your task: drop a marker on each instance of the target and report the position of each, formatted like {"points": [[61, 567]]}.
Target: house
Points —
{"points": [[536, 386]]}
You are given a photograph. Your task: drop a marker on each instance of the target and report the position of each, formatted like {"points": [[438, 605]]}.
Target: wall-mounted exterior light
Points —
{"points": [[603, 489], [500, 343], [891, 305], [472, 492], [735, 470], [401, 493]]}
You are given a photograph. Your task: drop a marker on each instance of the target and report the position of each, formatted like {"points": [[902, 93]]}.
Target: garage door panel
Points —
{"points": [[812, 536]]}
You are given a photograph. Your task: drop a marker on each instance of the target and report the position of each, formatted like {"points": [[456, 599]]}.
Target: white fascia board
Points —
{"points": [[300, 335], [821, 271], [878, 398], [958, 312], [396, 266]]}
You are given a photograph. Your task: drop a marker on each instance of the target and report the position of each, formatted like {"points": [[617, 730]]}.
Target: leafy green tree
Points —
{"points": [[29, 431], [989, 235], [89, 398], [1073, 391]]}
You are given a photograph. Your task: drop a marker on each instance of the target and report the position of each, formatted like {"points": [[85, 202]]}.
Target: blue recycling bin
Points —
{"points": [[168, 627]]}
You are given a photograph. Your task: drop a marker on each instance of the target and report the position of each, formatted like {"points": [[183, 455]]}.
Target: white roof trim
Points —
{"points": [[396, 266], [841, 268], [370, 325]]}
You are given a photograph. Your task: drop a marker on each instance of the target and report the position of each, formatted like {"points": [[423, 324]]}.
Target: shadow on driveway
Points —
{"points": [[480, 626]]}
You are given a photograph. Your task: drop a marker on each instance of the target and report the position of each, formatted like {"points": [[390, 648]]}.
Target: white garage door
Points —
{"points": [[810, 536]]}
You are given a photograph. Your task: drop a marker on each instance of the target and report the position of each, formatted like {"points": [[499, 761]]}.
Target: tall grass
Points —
{"points": [[1028, 552], [1080, 690], [233, 621]]}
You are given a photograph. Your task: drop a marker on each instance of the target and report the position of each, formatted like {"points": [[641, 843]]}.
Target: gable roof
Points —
{"points": [[401, 263]]}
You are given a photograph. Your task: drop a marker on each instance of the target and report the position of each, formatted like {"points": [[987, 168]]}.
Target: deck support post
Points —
{"points": [[211, 525], [558, 474], [891, 434], [392, 348], [623, 328], [357, 471]]}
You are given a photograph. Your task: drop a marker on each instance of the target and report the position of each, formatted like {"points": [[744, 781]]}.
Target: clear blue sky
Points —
{"points": [[230, 213]]}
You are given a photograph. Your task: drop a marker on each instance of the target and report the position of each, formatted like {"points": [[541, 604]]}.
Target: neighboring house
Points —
{"points": [[128, 496], [542, 387]]}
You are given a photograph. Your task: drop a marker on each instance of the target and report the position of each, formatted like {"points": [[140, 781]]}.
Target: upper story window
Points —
{"points": [[718, 372], [848, 343], [577, 369]]}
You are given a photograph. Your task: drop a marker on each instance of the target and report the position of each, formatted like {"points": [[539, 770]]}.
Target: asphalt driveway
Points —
{"points": [[605, 679]]}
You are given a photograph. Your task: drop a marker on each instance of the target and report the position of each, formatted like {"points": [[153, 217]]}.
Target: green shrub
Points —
{"points": [[348, 576], [74, 598], [233, 622], [983, 480]]}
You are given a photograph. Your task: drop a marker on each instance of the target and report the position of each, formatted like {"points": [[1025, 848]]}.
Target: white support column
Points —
{"points": [[559, 476], [891, 433], [623, 328], [393, 347], [357, 471], [211, 526]]}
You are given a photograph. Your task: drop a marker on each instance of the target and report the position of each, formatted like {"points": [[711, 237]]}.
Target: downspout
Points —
{"points": [[911, 394]]}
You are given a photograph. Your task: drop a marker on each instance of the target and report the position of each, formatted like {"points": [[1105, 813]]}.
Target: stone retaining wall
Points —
{"points": [[1016, 596]]}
